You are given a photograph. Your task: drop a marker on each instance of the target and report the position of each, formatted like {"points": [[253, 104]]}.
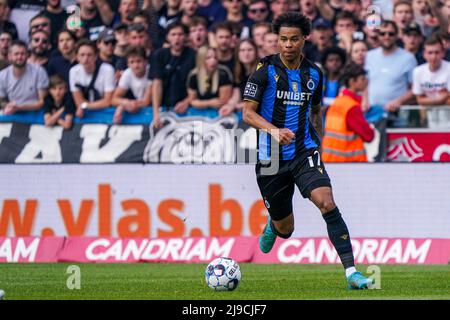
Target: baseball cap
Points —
{"points": [[106, 35], [120, 26], [413, 27], [321, 23]]}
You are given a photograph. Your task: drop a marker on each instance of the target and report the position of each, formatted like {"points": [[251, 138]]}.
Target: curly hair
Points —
{"points": [[292, 19]]}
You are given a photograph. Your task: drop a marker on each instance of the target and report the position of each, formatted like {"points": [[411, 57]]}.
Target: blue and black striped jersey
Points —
{"points": [[285, 98]]}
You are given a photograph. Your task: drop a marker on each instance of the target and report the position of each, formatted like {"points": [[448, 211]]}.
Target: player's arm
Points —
{"points": [[316, 119], [252, 118], [316, 109]]}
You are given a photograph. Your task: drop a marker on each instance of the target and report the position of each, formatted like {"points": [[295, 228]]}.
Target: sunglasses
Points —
{"points": [[42, 25], [390, 34], [262, 10], [42, 40], [109, 42]]}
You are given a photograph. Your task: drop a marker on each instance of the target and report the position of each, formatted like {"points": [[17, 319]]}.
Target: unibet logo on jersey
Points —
{"points": [[293, 98]]}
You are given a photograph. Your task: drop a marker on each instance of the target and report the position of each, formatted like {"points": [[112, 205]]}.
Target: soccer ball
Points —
{"points": [[223, 274]]}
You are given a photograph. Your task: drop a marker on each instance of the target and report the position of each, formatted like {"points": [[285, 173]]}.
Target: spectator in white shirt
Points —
{"points": [[91, 82], [134, 90]]}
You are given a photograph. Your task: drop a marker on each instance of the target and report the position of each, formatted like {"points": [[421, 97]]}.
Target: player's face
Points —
{"points": [[290, 43]]}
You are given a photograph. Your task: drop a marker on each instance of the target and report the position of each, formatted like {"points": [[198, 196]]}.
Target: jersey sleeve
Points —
{"points": [[317, 96], [256, 84]]}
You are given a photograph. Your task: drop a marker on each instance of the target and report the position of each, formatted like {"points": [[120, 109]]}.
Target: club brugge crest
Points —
{"points": [[311, 85]]}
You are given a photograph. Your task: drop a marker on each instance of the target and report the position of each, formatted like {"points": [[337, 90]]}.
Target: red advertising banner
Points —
{"points": [[205, 249], [415, 145]]}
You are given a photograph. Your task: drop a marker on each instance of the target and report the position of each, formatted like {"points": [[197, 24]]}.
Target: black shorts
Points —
{"points": [[277, 188]]}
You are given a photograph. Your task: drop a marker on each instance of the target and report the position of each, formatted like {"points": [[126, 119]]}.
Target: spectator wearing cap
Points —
{"points": [[106, 42], [278, 7], [321, 39], [403, 15], [390, 72], [6, 25], [95, 16], [57, 15], [258, 11], [412, 39], [61, 63], [333, 59], [346, 129]]}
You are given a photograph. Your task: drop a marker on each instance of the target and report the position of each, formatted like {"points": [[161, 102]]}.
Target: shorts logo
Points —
{"points": [[320, 170], [266, 203], [251, 89], [311, 85]]}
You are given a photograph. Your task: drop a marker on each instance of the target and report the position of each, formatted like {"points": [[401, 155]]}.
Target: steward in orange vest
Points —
{"points": [[346, 129]]}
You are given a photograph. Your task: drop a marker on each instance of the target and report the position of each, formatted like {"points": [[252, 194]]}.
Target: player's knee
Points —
{"points": [[326, 205]]}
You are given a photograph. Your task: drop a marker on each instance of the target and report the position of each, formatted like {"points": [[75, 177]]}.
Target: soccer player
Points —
{"points": [[282, 100]]}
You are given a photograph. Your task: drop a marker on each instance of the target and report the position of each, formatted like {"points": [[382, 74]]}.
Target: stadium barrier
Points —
{"points": [[205, 249]]}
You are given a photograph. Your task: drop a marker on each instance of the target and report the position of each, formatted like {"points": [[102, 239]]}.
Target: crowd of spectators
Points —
{"points": [[69, 56]]}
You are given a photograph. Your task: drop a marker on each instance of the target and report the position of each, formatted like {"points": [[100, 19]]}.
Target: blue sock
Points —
{"points": [[339, 236]]}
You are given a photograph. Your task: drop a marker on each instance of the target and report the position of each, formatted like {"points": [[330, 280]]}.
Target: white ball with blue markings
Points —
{"points": [[223, 274]]}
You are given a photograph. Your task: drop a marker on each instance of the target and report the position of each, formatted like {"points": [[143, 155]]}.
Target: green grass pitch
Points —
{"points": [[186, 281]]}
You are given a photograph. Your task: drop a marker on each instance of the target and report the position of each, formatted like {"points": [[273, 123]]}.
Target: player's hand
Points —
{"points": [[283, 136]]}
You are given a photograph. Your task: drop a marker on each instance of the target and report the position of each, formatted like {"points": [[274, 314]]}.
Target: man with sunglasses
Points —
{"points": [[258, 11], [389, 70], [39, 47], [105, 44]]}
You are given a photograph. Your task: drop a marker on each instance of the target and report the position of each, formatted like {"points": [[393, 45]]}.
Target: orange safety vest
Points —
{"points": [[340, 144]]}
